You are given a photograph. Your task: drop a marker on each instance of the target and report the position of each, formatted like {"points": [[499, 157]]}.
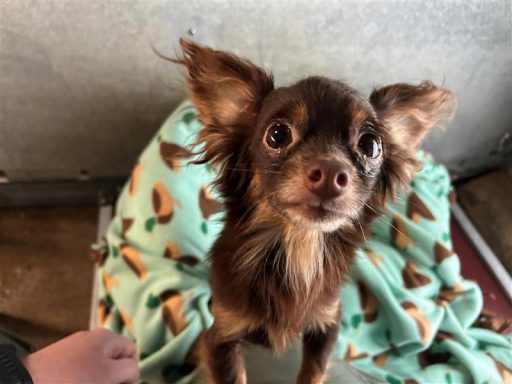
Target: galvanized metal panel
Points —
{"points": [[81, 89]]}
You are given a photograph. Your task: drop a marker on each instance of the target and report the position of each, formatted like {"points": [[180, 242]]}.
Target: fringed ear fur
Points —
{"points": [[408, 113], [227, 91]]}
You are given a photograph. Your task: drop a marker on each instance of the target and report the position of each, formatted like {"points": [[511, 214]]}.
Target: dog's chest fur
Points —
{"points": [[273, 281]]}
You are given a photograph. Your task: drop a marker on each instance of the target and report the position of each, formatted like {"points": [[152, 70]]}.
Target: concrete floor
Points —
{"points": [[45, 271]]}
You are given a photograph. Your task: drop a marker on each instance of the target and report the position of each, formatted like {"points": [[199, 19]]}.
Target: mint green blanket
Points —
{"points": [[408, 314]]}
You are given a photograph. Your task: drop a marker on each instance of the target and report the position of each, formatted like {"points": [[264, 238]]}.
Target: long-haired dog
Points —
{"points": [[303, 171]]}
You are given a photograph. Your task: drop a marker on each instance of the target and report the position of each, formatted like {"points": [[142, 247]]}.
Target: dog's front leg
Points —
{"points": [[317, 347], [223, 358]]}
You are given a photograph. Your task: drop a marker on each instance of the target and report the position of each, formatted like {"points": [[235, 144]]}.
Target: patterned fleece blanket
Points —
{"points": [[408, 314]]}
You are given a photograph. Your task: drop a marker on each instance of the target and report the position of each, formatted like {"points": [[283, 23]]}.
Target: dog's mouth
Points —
{"points": [[321, 217], [315, 212], [308, 211]]}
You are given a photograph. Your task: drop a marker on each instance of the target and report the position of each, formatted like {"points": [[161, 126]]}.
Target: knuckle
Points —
{"points": [[132, 371], [128, 373]]}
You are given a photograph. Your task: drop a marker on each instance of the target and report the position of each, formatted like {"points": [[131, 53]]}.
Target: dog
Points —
{"points": [[303, 171]]}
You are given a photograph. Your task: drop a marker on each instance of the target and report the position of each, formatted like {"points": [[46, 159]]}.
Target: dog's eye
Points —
{"points": [[279, 136], [370, 145]]}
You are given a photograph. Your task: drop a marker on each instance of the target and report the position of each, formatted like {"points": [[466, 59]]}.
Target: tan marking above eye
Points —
{"points": [[359, 115], [299, 114]]}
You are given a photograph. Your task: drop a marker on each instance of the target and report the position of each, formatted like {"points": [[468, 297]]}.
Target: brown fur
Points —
{"points": [[276, 268]]}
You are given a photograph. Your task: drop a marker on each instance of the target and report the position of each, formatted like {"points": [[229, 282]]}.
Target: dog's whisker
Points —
{"points": [[389, 221], [362, 232], [370, 207]]}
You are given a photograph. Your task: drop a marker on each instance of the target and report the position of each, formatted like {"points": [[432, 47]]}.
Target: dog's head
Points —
{"points": [[317, 152]]}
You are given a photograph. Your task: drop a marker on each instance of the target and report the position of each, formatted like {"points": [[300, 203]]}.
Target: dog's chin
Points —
{"points": [[315, 218]]}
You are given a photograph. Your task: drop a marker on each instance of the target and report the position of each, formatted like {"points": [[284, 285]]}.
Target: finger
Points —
{"points": [[121, 347], [124, 371]]}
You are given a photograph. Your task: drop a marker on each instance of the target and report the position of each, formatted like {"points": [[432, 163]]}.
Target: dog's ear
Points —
{"points": [[227, 92], [408, 113]]}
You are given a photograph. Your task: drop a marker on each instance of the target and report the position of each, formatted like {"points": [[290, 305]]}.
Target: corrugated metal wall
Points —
{"points": [[81, 89]]}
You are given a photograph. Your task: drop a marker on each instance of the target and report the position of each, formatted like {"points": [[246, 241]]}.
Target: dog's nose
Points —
{"points": [[327, 179]]}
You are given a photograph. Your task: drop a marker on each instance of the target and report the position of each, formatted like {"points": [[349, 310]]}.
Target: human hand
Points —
{"points": [[97, 356]]}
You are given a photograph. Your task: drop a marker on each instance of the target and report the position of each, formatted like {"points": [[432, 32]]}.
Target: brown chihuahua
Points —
{"points": [[304, 170]]}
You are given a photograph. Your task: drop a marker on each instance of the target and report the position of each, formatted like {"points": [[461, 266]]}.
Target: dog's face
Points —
{"points": [[317, 152], [317, 149]]}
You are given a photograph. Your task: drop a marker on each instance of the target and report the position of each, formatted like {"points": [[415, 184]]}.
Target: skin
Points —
{"points": [[98, 356]]}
